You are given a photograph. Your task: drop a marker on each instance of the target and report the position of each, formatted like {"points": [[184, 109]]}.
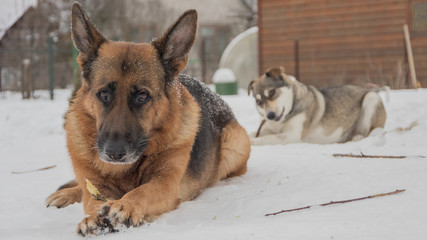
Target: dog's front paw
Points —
{"points": [[256, 141], [121, 213], [93, 225], [64, 197]]}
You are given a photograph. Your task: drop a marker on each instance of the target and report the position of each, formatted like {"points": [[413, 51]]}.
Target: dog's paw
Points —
{"points": [[93, 226], [64, 197], [357, 138], [121, 213], [111, 217], [256, 141]]}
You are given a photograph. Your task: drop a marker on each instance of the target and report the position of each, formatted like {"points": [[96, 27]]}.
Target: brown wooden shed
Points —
{"points": [[329, 42]]}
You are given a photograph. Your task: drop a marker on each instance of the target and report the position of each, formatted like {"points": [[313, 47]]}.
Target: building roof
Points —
{"points": [[15, 22]]}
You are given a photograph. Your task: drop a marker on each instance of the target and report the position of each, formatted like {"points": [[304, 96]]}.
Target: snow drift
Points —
{"points": [[279, 177]]}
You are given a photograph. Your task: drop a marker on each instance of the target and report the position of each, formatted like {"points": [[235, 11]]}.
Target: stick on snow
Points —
{"points": [[35, 170], [336, 202], [369, 156], [260, 126]]}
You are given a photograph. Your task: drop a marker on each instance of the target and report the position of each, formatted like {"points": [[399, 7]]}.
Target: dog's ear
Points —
{"points": [[251, 87], [86, 37], [176, 42], [267, 73], [283, 76], [274, 73]]}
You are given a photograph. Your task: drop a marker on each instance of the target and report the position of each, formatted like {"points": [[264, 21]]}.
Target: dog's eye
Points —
{"points": [[259, 102], [142, 97], [104, 96], [271, 93]]}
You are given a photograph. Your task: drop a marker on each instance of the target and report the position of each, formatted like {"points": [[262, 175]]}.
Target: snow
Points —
{"points": [[223, 75], [279, 177]]}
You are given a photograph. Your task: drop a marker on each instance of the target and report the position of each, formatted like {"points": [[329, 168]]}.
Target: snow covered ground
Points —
{"points": [[278, 177]]}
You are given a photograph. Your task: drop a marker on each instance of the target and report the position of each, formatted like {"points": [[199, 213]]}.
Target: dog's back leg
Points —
{"points": [[234, 152], [66, 194], [372, 116]]}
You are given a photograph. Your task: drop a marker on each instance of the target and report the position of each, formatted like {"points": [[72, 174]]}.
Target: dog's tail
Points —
{"points": [[385, 89], [375, 88]]}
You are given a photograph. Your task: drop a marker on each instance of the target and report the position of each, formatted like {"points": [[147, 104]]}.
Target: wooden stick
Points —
{"points": [[365, 156], [289, 210], [371, 156], [35, 170], [259, 129], [337, 202], [363, 198], [410, 56]]}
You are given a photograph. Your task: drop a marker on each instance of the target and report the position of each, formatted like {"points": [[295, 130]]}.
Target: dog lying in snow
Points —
{"points": [[146, 136], [293, 112]]}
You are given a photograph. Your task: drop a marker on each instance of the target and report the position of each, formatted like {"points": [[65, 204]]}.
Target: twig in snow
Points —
{"points": [[35, 170], [336, 202], [366, 156], [259, 129]]}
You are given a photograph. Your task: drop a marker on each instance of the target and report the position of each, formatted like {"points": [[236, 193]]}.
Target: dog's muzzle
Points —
{"points": [[119, 151], [273, 116]]}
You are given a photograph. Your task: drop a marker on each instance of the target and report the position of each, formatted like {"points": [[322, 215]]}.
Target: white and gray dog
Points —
{"points": [[294, 112]]}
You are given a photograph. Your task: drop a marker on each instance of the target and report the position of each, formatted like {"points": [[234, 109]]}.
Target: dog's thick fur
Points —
{"points": [[294, 112], [144, 135]]}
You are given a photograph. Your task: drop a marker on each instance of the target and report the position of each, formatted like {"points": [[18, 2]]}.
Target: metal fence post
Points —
{"points": [[51, 69], [26, 79]]}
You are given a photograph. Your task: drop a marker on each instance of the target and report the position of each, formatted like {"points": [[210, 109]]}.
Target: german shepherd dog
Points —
{"points": [[294, 112], [144, 135]]}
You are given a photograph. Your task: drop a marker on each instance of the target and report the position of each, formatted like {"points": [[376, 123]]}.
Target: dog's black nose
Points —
{"points": [[116, 150], [271, 115], [114, 156]]}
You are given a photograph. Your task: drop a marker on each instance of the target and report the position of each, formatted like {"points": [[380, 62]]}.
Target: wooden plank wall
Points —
{"points": [[340, 41]]}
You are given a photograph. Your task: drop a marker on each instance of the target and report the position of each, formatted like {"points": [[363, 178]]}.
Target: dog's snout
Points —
{"points": [[116, 150], [271, 115], [121, 147]]}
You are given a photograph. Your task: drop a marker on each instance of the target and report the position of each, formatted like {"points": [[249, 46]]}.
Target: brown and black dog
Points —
{"points": [[144, 135]]}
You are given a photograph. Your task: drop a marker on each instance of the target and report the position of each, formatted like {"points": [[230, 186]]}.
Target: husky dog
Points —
{"points": [[294, 112]]}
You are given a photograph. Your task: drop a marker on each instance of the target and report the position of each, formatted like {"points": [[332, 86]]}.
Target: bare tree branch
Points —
{"points": [[260, 126], [369, 156], [337, 202], [35, 170]]}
